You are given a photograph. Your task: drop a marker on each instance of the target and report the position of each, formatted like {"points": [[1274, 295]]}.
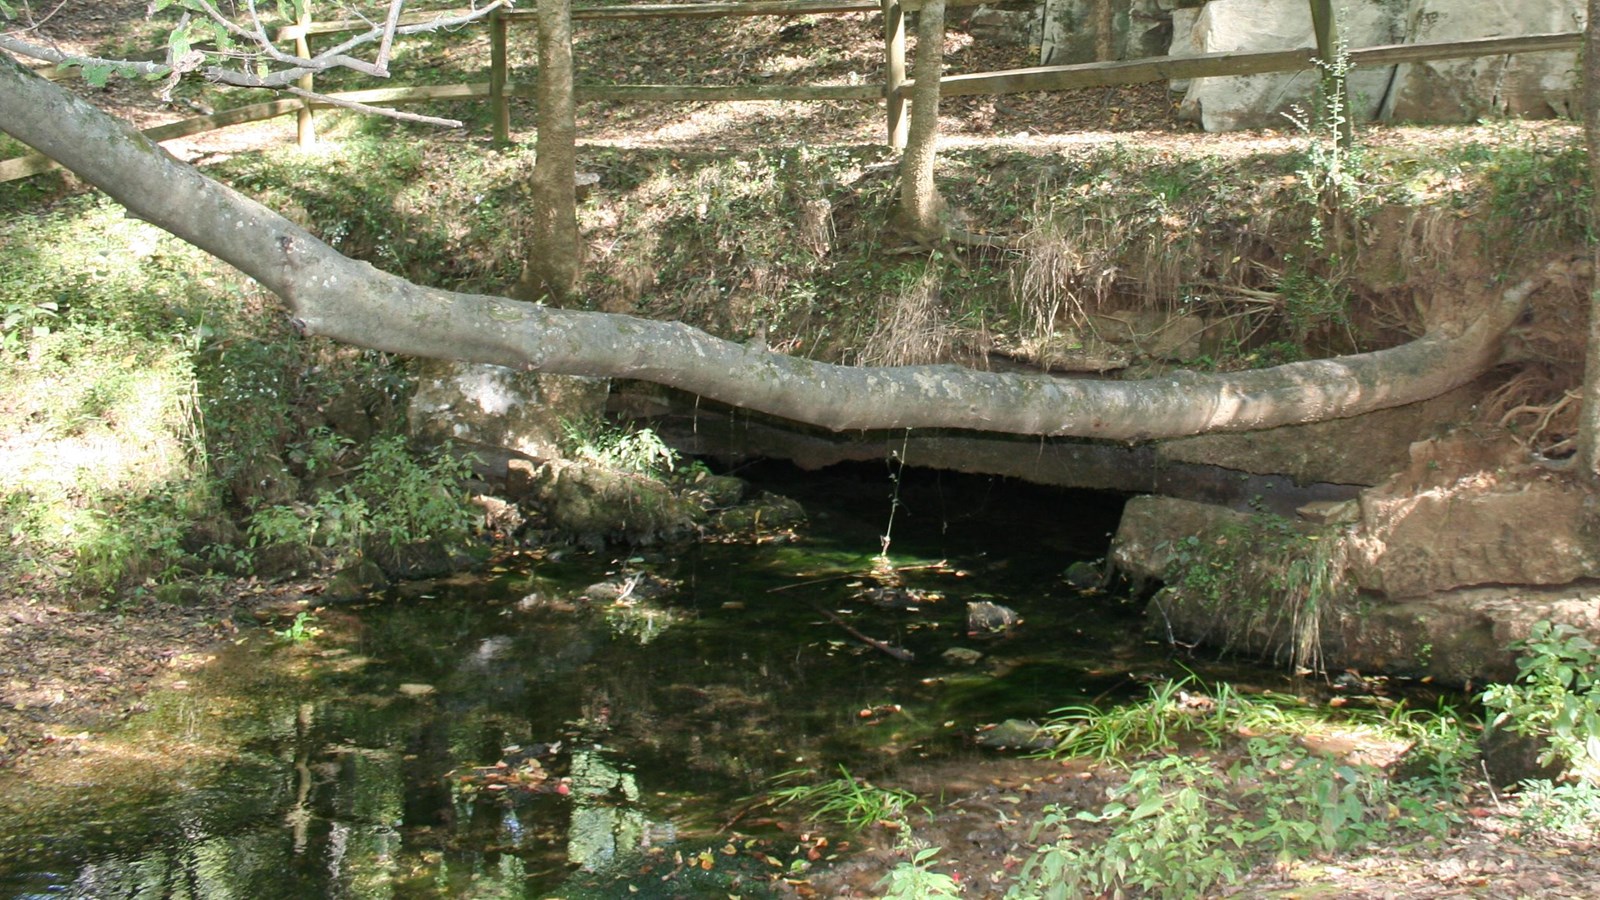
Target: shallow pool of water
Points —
{"points": [[366, 760]]}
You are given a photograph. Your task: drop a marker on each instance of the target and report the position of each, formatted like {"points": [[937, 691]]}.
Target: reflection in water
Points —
{"points": [[476, 743], [606, 818]]}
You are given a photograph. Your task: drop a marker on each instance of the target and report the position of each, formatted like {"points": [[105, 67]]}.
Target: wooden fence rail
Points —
{"points": [[895, 89]]}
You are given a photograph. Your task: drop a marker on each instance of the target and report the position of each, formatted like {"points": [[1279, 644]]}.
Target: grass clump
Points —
{"points": [[1263, 583], [639, 451], [852, 802], [857, 804]]}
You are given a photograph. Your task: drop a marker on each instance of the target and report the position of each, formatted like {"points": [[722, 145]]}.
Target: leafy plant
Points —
{"points": [[915, 879], [394, 500], [1556, 696], [1163, 840], [1179, 826], [1571, 809], [302, 629], [624, 449]]}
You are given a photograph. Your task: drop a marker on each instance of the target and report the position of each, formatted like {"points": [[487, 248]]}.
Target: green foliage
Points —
{"points": [[395, 499], [620, 448], [1570, 809], [411, 499], [1165, 839], [915, 879], [1179, 826], [302, 629], [1556, 696], [853, 802], [1538, 193], [1314, 304]]}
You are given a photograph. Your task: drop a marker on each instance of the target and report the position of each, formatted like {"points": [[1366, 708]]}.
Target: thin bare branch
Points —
{"points": [[372, 110], [388, 33]]}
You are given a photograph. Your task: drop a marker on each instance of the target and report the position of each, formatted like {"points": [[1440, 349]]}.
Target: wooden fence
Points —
{"points": [[894, 89]]}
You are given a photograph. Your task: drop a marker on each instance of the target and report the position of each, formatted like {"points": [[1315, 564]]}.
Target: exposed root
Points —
{"points": [[1537, 409]]}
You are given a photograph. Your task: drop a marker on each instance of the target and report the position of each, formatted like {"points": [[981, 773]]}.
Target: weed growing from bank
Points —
{"points": [[639, 451], [1556, 698], [1263, 583], [915, 879], [1218, 782]]}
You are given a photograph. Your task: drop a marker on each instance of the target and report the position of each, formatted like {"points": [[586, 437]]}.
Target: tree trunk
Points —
{"points": [[556, 254], [921, 209], [1588, 438], [330, 295]]}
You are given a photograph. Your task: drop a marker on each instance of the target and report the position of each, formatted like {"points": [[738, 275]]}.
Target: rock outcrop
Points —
{"points": [[1536, 85]]}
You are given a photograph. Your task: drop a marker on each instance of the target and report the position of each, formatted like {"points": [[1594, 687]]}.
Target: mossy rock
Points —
{"points": [[593, 505], [355, 582], [768, 512], [717, 491]]}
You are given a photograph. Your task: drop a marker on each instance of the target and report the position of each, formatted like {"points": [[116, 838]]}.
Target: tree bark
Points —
{"points": [[921, 209], [1588, 437], [556, 254], [330, 295]]}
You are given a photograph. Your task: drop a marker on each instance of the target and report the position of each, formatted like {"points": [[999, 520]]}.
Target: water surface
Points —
{"points": [[363, 762]]}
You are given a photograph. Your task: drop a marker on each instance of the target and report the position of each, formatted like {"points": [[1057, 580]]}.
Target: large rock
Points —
{"points": [[1152, 529], [593, 506], [497, 408], [1536, 85], [1074, 30], [1183, 42], [1007, 24], [1259, 101], [1361, 450], [1446, 523], [1457, 636]]}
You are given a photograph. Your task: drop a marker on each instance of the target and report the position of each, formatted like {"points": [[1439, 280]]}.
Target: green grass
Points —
{"points": [[852, 802]]}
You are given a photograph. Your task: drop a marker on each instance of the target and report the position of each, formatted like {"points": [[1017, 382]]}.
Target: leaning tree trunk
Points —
{"points": [[1588, 443], [921, 209], [556, 254], [331, 295]]}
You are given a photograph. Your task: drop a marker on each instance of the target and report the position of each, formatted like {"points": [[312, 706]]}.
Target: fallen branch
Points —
{"points": [[899, 653]]}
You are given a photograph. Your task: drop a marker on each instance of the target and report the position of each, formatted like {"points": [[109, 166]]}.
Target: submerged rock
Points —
{"points": [[1016, 734], [961, 656], [984, 617], [640, 586], [768, 512], [1085, 575], [355, 582]]}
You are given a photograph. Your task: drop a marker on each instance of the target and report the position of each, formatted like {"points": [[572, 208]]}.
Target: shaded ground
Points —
{"points": [[984, 828], [64, 671]]}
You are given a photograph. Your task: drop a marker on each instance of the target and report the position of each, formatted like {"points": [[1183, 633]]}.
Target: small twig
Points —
{"points": [[1493, 794]]}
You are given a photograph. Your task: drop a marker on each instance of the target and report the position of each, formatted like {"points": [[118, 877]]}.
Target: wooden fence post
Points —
{"points": [[1334, 84], [499, 76], [305, 125], [894, 51]]}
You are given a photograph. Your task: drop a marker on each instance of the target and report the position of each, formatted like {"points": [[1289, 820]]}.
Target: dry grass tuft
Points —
{"points": [[914, 329]]}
